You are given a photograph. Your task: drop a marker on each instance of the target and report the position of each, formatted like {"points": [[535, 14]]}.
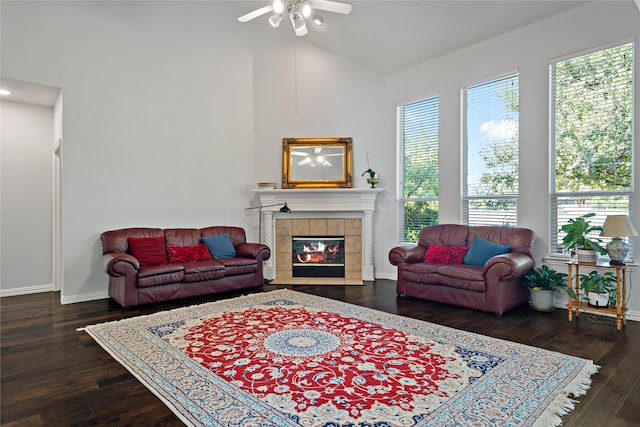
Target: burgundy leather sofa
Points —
{"points": [[131, 283], [493, 287]]}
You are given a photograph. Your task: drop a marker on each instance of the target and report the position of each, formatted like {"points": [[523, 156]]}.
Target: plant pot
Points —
{"points": [[542, 299], [587, 255], [598, 300]]}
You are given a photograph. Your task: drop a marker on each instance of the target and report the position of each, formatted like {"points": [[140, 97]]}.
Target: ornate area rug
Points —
{"points": [[285, 358]]}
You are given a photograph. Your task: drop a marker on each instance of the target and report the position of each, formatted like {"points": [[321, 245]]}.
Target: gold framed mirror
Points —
{"points": [[317, 163]]}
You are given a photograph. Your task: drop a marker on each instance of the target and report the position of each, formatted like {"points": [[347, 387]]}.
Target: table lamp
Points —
{"points": [[617, 227]]}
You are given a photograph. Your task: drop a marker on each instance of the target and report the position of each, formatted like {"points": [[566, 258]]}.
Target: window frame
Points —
{"points": [[555, 233], [401, 200], [466, 199]]}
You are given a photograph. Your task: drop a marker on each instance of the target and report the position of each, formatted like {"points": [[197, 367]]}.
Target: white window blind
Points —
{"points": [[490, 146], [591, 114], [418, 137]]}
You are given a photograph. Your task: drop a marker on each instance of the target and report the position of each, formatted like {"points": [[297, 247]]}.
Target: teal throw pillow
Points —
{"points": [[482, 249], [220, 246]]}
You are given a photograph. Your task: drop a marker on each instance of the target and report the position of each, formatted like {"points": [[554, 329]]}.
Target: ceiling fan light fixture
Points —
{"points": [[275, 20], [278, 6], [298, 11]]}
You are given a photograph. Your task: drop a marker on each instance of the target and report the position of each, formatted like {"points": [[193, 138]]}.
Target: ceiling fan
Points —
{"points": [[315, 158], [297, 11]]}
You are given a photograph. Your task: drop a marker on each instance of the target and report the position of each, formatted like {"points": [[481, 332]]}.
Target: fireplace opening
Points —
{"points": [[318, 256]]}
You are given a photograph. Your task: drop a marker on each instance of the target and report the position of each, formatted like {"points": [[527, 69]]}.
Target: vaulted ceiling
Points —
{"points": [[389, 36]]}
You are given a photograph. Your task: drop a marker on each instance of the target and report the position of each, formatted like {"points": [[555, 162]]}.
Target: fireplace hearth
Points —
{"points": [[318, 256]]}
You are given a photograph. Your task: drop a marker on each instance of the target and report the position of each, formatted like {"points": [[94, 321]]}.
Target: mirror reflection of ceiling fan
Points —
{"points": [[315, 158], [297, 11]]}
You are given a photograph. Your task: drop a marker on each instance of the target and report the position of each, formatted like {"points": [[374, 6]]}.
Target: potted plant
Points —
{"points": [[373, 180], [599, 289], [576, 239], [543, 283]]}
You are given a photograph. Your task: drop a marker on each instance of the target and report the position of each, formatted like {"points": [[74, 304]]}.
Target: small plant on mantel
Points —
{"points": [[543, 282], [373, 180]]}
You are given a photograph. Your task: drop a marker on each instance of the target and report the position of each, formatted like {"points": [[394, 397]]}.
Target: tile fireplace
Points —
{"points": [[319, 213]]}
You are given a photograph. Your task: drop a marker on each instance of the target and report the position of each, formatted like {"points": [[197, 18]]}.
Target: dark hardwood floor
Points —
{"points": [[53, 375]]}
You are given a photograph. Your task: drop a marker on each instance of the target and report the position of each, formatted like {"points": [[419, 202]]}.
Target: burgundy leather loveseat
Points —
{"points": [[493, 287], [132, 283]]}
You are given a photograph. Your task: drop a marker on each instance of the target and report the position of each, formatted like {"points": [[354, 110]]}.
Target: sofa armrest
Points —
{"points": [[509, 266], [409, 254], [253, 250], [117, 263]]}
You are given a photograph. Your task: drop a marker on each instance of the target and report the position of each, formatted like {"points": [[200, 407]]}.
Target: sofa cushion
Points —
{"points": [[156, 275], [220, 246], [468, 277], [236, 266], [481, 250], [187, 254], [148, 250], [439, 254], [203, 270]]}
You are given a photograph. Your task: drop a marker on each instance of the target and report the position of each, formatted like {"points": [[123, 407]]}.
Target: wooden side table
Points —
{"points": [[620, 310]]}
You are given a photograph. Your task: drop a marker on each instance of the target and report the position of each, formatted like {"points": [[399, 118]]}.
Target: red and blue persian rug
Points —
{"points": [[285, 358]]}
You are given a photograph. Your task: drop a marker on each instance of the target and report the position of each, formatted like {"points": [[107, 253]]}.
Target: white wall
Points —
{"points": [[529, 51], [158, 116], [159, 113], [335, 98], [25, 204]]}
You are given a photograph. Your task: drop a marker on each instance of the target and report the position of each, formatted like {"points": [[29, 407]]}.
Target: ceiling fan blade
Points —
{"points": [[331, 6], [256, 13], [299, 153]]}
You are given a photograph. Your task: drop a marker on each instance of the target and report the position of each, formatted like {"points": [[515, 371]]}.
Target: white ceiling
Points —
{"points": [[30, 93], [389, 36]]}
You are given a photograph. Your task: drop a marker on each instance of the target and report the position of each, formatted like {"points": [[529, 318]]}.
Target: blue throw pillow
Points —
{"points": [[482, 249], [220, 246]]}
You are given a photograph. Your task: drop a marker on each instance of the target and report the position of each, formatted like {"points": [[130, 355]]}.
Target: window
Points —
{"points": [[490, 152], [418, 188], [591, 118]]}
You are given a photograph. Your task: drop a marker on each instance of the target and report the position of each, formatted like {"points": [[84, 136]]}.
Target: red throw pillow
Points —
{"points": [[438, 254], [457, 254], [186, 254], [148, 250]]}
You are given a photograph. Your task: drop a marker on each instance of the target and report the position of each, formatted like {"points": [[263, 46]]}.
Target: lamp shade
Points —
{"points": [[618, 226]]}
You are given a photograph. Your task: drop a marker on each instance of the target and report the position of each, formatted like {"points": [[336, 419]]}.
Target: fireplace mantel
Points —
{"points": [[320, 202]]}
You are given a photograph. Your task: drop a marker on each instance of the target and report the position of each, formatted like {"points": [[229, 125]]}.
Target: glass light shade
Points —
{"points": [[278, 6], [275, 20], [318, 20], [298, 24]]}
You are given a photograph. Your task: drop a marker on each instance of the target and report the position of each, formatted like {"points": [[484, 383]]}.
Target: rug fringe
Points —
{"points": [[564, 403]]}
